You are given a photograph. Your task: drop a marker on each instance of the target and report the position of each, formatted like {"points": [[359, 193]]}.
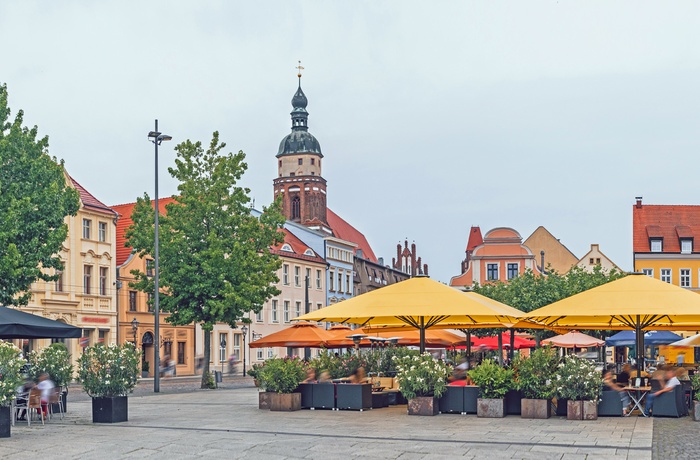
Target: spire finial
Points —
{"points": [[299, 69]]}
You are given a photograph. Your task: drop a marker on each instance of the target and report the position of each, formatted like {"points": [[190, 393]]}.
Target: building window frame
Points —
{"points": [[285, 274], [513, 270], [58, 284], [150, 268], [656, 245], [274, 314], [285, 311], [259, 316], [297, 309], [648, 271], [181, 352], [686, 246], [297, 276], [492, 272], [87, 279], [102, 232], [666, 275], [103, 280], [87, 229], [133, 302], [684, 278], [319, 285]]}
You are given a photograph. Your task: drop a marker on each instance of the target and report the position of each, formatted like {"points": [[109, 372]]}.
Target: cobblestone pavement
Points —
{"points": [[676, 438]]}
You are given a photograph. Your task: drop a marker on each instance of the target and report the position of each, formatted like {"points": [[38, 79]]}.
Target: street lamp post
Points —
{"points": [[222, 353], [244, 331], [156, 137], [134, 328]]}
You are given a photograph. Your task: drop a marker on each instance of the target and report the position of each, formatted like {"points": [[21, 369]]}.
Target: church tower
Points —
{"points": [[299, 180]]}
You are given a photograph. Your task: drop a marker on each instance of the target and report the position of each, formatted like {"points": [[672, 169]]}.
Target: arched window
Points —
{"points": [[296, 208]]}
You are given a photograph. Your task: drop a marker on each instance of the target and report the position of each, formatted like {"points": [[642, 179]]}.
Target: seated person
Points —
{"points": [[682, 374], [325, 377], [310, 376], [624, 397], [47, 387], [671, 383], [358, 375], [624, 376], [23, 396]]}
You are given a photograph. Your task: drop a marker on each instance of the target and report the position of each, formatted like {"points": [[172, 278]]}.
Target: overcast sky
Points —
{"points": [[432, 116]]}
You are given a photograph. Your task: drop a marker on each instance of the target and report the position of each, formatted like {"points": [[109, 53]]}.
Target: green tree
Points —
{"points": [[214, 254], [34, 202]]}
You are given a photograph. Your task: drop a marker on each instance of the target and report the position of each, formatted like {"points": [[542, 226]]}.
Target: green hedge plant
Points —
{"points": [[493, 380], [421, 375], [281, 375], [535, 375]]}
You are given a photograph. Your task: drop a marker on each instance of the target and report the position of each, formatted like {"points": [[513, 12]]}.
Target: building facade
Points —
{"points": [[549, 252], [663, 241], [595, 257], [502, 256], [84, 294], [136, 316]]}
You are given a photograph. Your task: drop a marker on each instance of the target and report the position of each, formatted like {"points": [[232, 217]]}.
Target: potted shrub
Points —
{"points": [[55, 361], [695, 380], [422, 380], [578, 381], [534, 377], [280, 377], [145, 368], [11, 364], [494, 382], [108, 374]]}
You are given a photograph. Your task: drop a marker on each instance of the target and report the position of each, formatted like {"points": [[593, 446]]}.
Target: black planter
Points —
{"points": [[5, 422], [110, 410]]}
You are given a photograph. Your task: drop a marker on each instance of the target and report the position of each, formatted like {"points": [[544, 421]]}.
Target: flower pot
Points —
{"points": [[696, 411], [264, 400], [113, 409], [574, 410], [590, 410], [423, 405], [285, 402], [144, 374], [5, 422], [491, 408], [535, 408]]}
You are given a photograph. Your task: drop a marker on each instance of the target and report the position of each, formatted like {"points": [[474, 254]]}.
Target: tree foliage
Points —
{"points": [[34, 201], [214, 254]]}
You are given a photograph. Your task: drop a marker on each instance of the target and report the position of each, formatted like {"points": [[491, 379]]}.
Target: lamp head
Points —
{"points": [[134, 324]]}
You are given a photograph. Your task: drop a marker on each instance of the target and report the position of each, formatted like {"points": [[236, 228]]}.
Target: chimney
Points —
{"points": [[380, 261], [358, 253], [639, 201]]}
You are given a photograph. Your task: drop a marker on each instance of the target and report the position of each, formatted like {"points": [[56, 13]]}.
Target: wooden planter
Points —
{"points": [[582, 410], [491, 408], [696, 411], [535, 408], [5, 422], [285, 402], [264, 400], [423, 405], [110, 409]]}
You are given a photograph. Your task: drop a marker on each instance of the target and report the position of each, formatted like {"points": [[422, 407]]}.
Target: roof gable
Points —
{"points": [[345, 231], [88, 199], [668, 222]]}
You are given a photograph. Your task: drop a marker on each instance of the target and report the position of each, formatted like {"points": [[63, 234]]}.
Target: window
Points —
{"points": [[101, 336], [150, 301], [319, 306], [270, 353], [348, 284], [296, 207], [648, 271], [237, 346], [331, 286], [686, 246], [58, 285], [259, 354], [285, 274], [222, 347], [103, 280], [181, 352], [297, 276], [512, 271], [87, 278], [318, 279], [102, 231], [597, 260], [657, 245], [286, 311], [150, 267], [298, 309], [132, 300], [259, 317], [590, 261], [273, 312], [301, 161], [340, 282], [307, 280], [312, 161], [685, 277], [87, 226], [491, 272], [666, 275]]}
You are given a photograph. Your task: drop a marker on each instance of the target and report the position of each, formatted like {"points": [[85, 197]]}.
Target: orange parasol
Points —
{"points": [[299, 335]]}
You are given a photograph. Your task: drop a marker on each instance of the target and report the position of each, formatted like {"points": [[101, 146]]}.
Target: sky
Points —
{"points": [[432, 116]]}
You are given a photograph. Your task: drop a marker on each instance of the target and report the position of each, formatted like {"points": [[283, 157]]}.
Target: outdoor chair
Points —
{"points": [[19, 404], [56, 400], [34, 404], [670, 404]]}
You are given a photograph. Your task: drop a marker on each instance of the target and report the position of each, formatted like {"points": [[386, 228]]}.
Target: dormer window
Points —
{"points": [[656, 245], [287, 248], [309, 252], [686, 246]]}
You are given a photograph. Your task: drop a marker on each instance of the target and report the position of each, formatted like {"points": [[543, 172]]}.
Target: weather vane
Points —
{"points": [[299, 69]]}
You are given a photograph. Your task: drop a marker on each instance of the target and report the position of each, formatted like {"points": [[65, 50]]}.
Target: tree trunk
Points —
{"points": [[207, 357]]}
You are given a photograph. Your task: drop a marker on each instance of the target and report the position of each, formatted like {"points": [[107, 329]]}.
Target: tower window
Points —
{"points": [[301, 161], [312, 161], [280, 163], [296, 208], [292, 174]]}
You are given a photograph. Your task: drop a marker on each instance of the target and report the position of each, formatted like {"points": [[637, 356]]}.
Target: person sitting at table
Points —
{"points": [[624, 376], [46, 386], [325, 377], [624, 397], [23, 396], [682, 374], [358, 375], [671, 383], [310, 376]]}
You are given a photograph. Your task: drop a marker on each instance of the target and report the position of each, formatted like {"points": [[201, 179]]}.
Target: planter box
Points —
{"points": [[5, 422], [696, 411], [423, 405], [354, 396], [110, 410], [491, 408], [582, 410], [452, 401], [513, 398], [264, 400], [285, 402], [535, 408]]}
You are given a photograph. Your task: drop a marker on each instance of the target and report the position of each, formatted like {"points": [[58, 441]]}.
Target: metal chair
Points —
{"points": [[56, 399], [34, 402]]}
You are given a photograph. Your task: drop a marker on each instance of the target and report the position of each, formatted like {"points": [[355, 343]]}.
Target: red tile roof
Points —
{"points": [[298, 247], [475, 238], [89, 201], [347, 232], [124, 222], [670, 222]]}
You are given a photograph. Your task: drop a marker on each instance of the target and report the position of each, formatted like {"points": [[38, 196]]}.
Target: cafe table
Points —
{"points": [[637, 395]]}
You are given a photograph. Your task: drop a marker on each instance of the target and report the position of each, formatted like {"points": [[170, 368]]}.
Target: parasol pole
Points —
{"points": [[500, 347], [511, 352], [422, 334]]}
